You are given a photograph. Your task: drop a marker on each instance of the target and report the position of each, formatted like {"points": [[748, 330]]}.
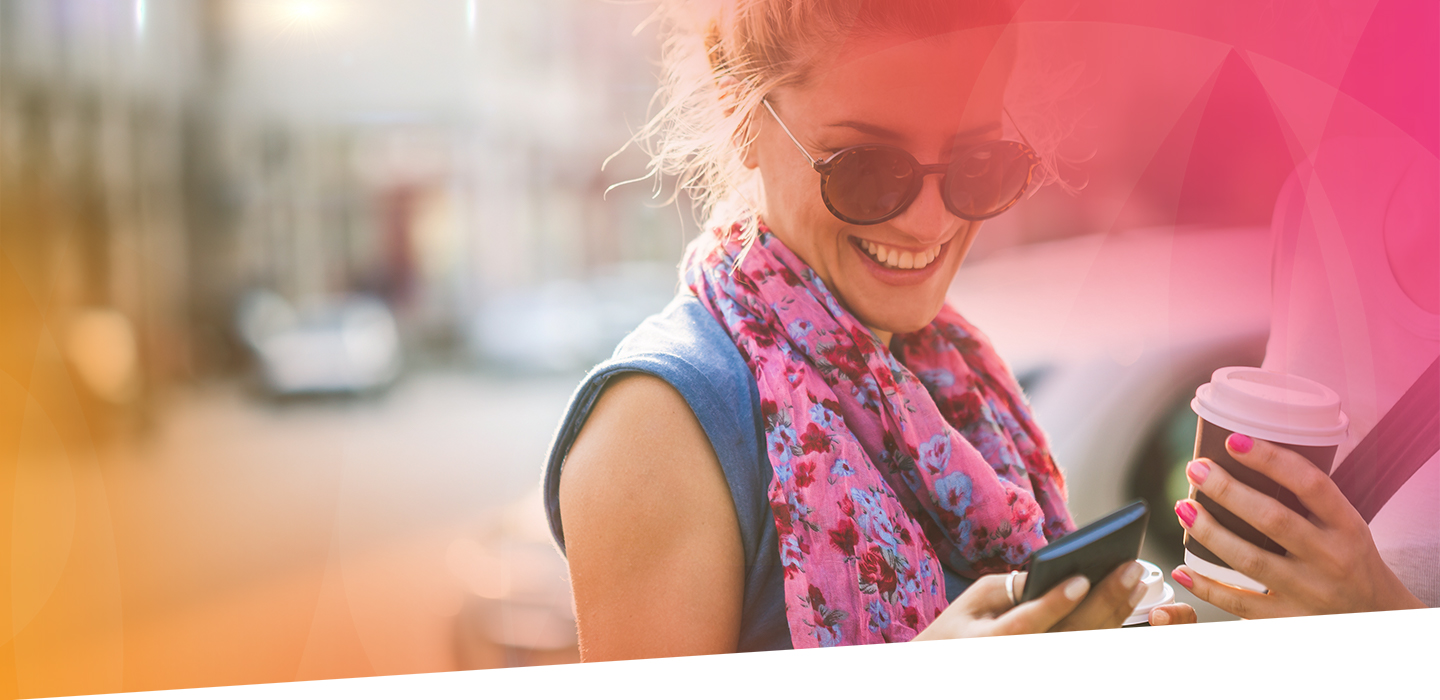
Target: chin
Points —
{"points": [[906, 322]]}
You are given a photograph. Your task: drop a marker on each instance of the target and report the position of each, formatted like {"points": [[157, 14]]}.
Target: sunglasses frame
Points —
{"points": [[826, 166]]}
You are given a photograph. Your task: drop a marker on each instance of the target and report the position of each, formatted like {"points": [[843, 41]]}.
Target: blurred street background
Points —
{"points": [[293, 293]]}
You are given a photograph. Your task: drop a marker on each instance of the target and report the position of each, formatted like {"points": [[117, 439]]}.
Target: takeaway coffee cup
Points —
{"points": [[1292, 412], [1157, 593]]}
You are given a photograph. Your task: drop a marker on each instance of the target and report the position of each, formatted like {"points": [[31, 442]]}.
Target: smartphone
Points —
{"points": [[1093, 551]]}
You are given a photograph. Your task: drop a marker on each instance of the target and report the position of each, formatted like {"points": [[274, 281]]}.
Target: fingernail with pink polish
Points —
{"points": [[1186, 513], [1182, 578], [1239, 444], [1197, 471]]}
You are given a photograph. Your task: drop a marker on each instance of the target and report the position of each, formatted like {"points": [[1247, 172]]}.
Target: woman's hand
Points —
{"points": [[1332, 566], [984, 609]]}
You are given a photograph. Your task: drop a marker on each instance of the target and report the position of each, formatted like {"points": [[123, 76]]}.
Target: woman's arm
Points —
{"points": [[651, 534], [1332, 566]]}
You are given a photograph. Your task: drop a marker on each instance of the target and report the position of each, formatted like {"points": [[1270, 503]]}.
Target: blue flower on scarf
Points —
{"points": [[935, 453], [954, 491], [777, 442], [927, 573], [936, 378], [841, 468], [823, 416], [879, 615], [791, 553], [867, 392], [798, 510], [873, 519], [783, 471]]}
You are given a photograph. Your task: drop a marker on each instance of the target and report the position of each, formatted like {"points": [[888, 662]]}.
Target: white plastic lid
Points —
{"points": [[1272, 406], [1157, 593]]}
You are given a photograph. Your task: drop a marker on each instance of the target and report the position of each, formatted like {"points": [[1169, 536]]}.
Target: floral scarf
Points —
{"points": [[885, 464]]}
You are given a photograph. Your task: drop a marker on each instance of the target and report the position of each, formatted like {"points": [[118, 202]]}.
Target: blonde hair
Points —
{"points": [[720, 58]]}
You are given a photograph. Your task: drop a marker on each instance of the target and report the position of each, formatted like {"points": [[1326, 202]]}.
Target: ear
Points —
{"points": [[745, 141], [743, 137]]}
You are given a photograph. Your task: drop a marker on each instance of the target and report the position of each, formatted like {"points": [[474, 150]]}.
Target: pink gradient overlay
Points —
{"points": [[1311, 128]]}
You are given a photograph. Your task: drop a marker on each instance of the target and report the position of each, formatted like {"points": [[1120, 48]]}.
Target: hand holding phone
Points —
{"points": [[1095, 557], [1093, 551]]}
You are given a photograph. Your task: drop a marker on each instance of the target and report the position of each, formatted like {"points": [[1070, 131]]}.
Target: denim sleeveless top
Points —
{"points": [[685, 346]]}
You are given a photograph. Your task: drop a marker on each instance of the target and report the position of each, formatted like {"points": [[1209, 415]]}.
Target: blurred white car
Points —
{"points": [[1110, 334], [348, 345]]}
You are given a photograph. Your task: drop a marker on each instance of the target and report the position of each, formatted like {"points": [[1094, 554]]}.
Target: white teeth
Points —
{"points": [[900, 259]]}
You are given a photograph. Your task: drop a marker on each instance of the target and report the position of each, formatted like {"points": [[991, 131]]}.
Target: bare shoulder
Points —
{"points": [[651, 535], [641, 433]]}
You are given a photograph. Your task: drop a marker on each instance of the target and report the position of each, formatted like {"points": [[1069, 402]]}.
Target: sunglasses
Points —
{"points": [[873, 183]]}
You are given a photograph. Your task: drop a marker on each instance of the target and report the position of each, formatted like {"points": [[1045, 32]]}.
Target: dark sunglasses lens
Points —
{"points": [[868, 184], [989, 178]]}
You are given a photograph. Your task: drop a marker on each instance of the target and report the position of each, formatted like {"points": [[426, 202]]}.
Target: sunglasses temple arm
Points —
{"points": [[1017, 128], [792, 136]]}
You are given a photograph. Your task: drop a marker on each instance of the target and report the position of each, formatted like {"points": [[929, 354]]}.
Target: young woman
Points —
{"points": [[808, 447]]}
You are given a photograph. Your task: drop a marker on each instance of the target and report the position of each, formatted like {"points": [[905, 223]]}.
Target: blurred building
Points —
{"points": [[162, 158], [95, 101]]}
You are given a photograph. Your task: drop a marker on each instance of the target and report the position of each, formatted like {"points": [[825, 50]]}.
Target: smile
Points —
{"points": [[896, 259]]}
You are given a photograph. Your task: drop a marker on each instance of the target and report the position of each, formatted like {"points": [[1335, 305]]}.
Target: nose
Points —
{"points": [[927, 220]]}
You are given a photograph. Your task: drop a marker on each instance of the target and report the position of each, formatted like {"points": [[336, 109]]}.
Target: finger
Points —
{"points": [[1239, 602], [1269, 516], [1176, 614], [1266, 567], [1287, 468], [987, 596], [1110, 603], [1045, 612]]}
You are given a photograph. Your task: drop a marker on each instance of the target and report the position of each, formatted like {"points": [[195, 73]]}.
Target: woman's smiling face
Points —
{"points": [[926, 96]]}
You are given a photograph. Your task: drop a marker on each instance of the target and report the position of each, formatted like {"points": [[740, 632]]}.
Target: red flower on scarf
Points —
{"points": [[911, 618], [816, 598], [804, 474], [784, 523], [814, 440], [844, 358], [845, 536], [762, 333], [876, 574]]}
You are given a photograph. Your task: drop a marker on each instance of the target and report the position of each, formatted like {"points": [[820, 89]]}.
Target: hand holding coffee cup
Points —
{"points": [[1263, 513], [1291, 411]]}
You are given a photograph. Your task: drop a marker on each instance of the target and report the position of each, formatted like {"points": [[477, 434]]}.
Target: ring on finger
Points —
{"points": [[1010, 589]]}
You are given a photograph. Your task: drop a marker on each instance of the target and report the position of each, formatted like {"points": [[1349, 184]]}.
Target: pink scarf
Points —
{"points": [[885, 464]]}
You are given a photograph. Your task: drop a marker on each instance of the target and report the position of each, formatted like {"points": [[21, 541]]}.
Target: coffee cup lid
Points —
{"points": [[1272, 406], [1157, 593]]}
